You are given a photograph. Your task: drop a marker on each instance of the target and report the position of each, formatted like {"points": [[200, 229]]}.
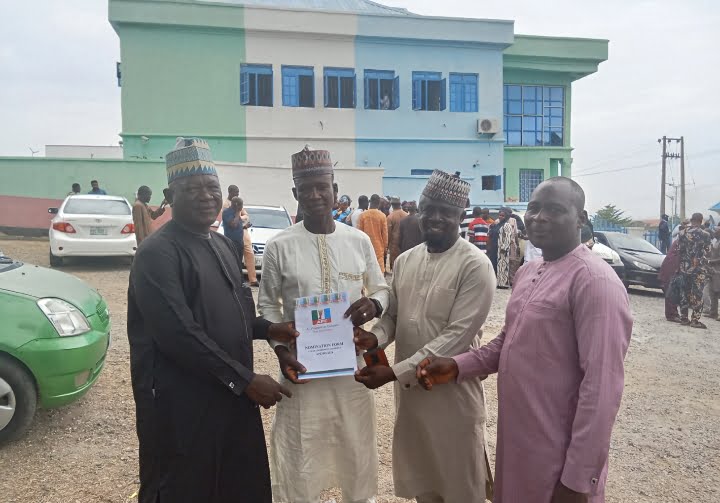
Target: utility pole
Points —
{"points": [[673, 155], [682, 178], [664, 175]]}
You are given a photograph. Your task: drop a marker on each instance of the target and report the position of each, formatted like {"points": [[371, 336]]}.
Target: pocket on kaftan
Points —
{"points": [[439, 303], [550, 327]]}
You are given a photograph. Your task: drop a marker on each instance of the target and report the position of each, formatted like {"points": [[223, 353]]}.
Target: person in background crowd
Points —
{"points": [[191, 325], [374, 223], [559, 359], [342, 213], [441, 295], [694, 250], [363, 203], [478, 230], [385, 206], [406, 207], [714, 263], [467, 218], [492, 246], [75, 190], [664, 235], [410, 232], [486, 216], [247, 249], [668, 270], [234, 224], [142, 214], [325, 436], [393, 222], [96, 190], [508, 249]]}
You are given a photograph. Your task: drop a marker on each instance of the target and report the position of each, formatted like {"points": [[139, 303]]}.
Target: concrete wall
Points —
{"points": [[32, 185]]}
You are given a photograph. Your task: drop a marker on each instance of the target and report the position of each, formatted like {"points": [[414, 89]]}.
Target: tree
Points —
{"points": [[612, 215]]}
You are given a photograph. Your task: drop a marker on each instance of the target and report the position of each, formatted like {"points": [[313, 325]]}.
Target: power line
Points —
{"points": [[615, 158], [706, 153]]}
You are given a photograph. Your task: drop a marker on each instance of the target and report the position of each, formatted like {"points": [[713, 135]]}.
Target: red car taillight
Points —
{"points": [[128, 229], [64, 227]]}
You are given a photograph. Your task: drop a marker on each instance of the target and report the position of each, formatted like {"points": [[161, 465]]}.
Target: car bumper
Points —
{"points": [[648, 279], [620, 271], [66, 367], [63, 246]]}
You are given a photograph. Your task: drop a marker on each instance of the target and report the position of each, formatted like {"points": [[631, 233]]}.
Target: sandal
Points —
{"points": [[684, 321], [675, 319], [697, 324]]}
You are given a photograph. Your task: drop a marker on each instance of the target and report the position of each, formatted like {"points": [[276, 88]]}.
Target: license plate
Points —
{"points": [[258, 262], [98, 231]]}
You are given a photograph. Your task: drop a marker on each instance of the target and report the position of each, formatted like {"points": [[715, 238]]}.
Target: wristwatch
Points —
{"points": [[378, 307]]}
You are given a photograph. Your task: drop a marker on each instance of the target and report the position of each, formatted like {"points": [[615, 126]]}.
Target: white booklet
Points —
{"points": [[325, 345]]}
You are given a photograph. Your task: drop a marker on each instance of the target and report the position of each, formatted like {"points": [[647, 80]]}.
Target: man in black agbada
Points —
{"points": [[191, 326]]}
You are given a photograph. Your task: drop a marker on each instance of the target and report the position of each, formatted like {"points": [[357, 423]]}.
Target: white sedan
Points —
{"points": [[267, 221], [92, 226]]}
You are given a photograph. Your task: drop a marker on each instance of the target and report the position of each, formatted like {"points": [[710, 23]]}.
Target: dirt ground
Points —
{"points": [[666, 442]]}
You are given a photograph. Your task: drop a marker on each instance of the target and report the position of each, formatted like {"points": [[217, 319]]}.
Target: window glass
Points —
{"points": [[76, 206]]}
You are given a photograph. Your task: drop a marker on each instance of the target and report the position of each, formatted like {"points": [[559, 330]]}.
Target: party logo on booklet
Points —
{"points": [[321, 316]]}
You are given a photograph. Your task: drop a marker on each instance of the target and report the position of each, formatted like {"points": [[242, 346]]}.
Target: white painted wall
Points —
{"points": [[84, 151], [326, 40], [262, 185]]}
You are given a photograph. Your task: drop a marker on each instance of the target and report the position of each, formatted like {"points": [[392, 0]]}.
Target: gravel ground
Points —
{"points": [[666, 442]]}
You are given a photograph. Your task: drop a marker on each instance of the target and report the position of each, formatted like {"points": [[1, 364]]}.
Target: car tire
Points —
{"points": [[55, 261], [17, 389]]}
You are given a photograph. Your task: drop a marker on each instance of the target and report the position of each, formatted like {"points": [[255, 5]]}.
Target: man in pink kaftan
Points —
{"points": [[559, 360]]}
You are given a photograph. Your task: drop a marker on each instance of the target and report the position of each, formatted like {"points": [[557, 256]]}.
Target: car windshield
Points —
{"points": [[625, 242], [270, 219], [96, 207]]}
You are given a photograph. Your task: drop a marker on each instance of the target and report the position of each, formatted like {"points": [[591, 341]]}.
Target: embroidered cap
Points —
{"points": [[311, 163], [446, 187], [190, 157]]}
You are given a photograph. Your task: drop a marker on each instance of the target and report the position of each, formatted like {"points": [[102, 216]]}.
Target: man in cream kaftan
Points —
{"points": [[438, 305], [441, 294], [325, 435]]}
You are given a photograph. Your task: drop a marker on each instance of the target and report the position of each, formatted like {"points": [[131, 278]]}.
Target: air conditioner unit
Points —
{"points": [[488, 126]]}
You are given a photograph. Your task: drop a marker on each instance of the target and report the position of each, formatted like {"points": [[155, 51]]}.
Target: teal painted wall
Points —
{"points": [[182, 82], [52, 178]]}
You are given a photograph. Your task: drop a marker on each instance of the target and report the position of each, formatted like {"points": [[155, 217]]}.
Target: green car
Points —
{"points": [[54, 335]]}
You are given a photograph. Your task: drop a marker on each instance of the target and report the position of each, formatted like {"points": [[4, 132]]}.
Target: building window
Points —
{"points": [[421, 172], [529, 179], [429, 91], [298, 86], [382, 90], [339, 88], [491, 182], [534, 115], [118, 73], [256, 85], [463, 92]]}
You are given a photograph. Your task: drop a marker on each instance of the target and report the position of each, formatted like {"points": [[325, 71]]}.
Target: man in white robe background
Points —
{"points": [[441, 294], [325, 436]]}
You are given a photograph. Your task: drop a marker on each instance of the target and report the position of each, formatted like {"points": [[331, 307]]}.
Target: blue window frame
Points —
{"points": [[463, 92], [534, 115], [382, 90], [529, 179], [340, 87], [429, 91], [298, 86], [256, 85]]}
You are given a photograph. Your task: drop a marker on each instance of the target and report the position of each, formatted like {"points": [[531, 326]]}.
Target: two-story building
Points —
{"points": [[393, 95], [375, 85]]}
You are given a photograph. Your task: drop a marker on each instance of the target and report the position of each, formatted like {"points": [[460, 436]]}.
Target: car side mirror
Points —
{"points": [[53, 211]]}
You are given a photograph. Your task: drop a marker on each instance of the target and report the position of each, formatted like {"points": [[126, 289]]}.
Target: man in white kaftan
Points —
{"points": [[325, 435], [441, 294]]}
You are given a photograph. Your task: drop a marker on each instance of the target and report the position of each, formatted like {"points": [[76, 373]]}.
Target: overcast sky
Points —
{"points": [[58, 86]]}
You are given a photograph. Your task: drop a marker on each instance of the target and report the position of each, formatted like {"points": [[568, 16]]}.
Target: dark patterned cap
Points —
{"points": [[190, 157], [449, 188], [311, 163]]}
